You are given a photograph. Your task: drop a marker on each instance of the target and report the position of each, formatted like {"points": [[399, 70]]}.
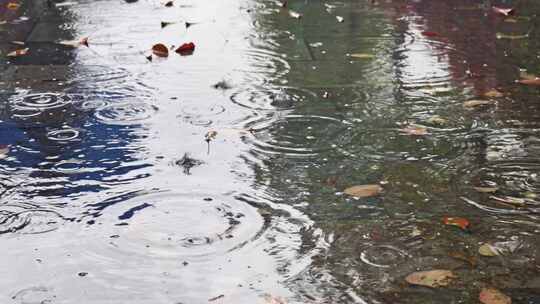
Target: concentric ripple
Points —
{"points": [[28, 105], [383, 256], [123, 114], [201, 115], [297, 135], [270, 99], [173, 226], [28, 221], [63, 135]]}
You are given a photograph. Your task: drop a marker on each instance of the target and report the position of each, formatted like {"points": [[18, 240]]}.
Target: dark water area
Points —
{"points": [[219, 176]]}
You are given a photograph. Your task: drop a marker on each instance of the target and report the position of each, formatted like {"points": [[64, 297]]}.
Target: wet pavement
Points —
{"points": [[219, 176]]}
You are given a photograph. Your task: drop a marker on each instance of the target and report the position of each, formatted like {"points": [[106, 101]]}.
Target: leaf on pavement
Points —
{"points": [[363, 190], [431, 278], [493, 296]]}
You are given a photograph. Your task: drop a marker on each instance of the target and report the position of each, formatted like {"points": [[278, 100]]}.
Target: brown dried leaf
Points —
{"points": [[431, 278], [160, 50], [362, 55], [363, 190], [493, 94], [13, 6], [493, 296]]}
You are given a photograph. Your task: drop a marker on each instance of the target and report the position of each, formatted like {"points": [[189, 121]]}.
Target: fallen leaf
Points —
{"points": [[295, 14], [363, 190], [169, 3], [460, 222], [534, 82], [186, 49], [431, 278], [488, 250], [18, 53], [436, 120], [362, 55], [499, 248], [493, 94], [503, 11], [477, 102], [414, 130], [486, 189], [430, 34], [464, 257], [340, 19], [13, 6], [493, 296], [160, 50]]}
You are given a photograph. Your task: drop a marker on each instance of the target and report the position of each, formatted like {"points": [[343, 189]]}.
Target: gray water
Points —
{"points": [[110, 192]]}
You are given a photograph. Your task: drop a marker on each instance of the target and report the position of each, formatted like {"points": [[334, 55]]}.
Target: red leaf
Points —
{"points": [[160, 50], [186, 49], [430, 34], [503, 11], [462, 223], [535, 81]]}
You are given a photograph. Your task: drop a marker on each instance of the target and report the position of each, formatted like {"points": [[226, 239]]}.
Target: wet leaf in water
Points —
{"points": [[186, 49], [488, 250], [4, 150], [340, 19], [431, 278], [269, 299], [362, 55], [477, 102], [414, 130], [160, 50], [500, 248], [18, 53], [460, 222], [430, 34], [493, 93], [363, 190], [437, 120], [168, 3], [13, 6], [493, 296], [464, 257], [503, 11], [486, 189], [534, 82], [295, 14]]}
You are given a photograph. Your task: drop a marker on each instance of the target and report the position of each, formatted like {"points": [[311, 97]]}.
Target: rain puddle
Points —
{"points": [[296, 152]]}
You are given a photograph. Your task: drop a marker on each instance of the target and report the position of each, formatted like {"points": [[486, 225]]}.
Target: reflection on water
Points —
{"points": [[110, 192]]}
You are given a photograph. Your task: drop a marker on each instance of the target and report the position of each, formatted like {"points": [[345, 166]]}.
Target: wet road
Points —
{"points": [[112, 194]]}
